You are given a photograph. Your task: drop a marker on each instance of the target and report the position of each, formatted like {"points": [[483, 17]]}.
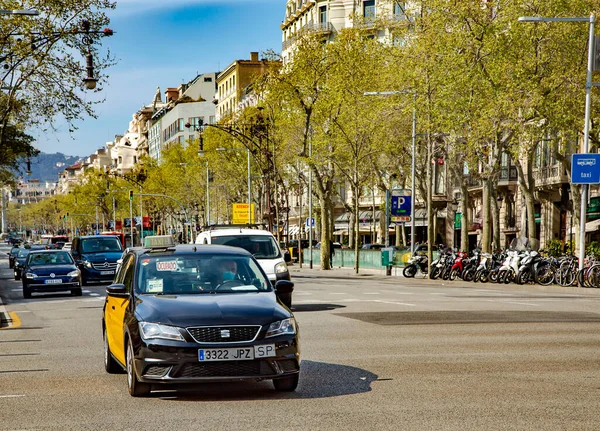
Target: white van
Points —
{"points": [[261, 243]]}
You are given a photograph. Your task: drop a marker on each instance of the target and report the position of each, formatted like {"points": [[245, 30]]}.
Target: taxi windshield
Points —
{"points": [[197, 274], [261, 246], [23, 252]]}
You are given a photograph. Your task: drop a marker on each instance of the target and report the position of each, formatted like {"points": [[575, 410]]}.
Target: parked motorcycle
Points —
{"points": [[418, 262], [458, 266], [528, 267]]}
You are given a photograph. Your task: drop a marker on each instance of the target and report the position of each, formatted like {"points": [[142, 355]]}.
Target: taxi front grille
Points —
{"points": [[225, 369], [224, 334], [156, 371], [287, 365]]}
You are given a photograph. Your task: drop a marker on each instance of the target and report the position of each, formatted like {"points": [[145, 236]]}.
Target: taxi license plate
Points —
{"points": [[53, 281], [237, 353], [107, 272]]}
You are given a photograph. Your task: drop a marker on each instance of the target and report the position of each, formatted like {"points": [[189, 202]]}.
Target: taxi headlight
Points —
{"points": [[73, 274], [282, 327], [154, 330], [87, 264], [281, 267], [30, 275]]}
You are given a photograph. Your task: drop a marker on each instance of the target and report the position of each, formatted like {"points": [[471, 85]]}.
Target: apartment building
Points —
{"points": [[327, 17], [233, 84], [184, 109]]}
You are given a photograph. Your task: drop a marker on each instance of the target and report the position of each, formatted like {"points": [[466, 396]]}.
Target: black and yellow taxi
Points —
{"points": [[197, 313]]}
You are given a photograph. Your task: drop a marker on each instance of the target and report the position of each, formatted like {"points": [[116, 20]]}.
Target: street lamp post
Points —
{"points": [[414, 145], [249, 179], [588, 101]]}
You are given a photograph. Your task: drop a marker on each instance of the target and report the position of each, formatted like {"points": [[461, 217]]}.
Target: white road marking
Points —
{"points": [[396, 303], [11, 396], [302, 293], [16, 290], [371, 293], [520, 303], [337, 293], [86, 291]]}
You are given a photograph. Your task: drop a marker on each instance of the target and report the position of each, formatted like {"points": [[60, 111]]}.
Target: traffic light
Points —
{"points": [[130, 195]]}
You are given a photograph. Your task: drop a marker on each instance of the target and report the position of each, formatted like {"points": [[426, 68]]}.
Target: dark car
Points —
{"points": [[372, 246], [19, 262], [50, 271], [96, 257], [198, 313], [12, 255]]}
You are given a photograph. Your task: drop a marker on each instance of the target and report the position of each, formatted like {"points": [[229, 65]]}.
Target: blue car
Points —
{"points": [[96, 256], [50, 271]]}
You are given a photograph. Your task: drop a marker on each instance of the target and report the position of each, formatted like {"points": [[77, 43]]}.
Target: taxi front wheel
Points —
{"points": [[286, 384], [136, 388], [110, 364]]}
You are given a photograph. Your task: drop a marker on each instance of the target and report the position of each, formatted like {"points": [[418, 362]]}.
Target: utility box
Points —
{"points": [[387, 256]]}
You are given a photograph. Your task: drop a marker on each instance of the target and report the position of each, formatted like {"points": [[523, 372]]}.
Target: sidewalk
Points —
{"points": [[341, 272]]}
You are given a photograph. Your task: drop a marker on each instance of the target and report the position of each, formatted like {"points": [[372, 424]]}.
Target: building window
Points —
{"points": [[120, 160], [399, 8], [323, 14], [181, 125], [134, 160], [369, 8], [207, 79]]}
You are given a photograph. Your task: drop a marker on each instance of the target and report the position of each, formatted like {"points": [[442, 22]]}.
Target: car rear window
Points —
{"points": [[261, 246], [58, 258]]}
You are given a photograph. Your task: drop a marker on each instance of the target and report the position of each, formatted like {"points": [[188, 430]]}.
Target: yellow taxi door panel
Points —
{"points": [[120, 307]]}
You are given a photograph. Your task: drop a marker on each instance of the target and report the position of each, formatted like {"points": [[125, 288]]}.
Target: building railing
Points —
{"points": [[317, 27], [508, 173], [549, 175]]}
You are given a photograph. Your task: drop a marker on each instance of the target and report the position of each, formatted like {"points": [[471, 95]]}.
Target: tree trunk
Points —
{"points": [[326, 232], [485, 216], [496, 221], [429, 184], [355, 192]]}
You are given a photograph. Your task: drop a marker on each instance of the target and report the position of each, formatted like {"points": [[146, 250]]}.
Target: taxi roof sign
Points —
{"points": [[159, 241]]}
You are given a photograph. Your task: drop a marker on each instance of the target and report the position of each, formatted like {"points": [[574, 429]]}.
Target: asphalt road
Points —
{"points": [[378, 353]]}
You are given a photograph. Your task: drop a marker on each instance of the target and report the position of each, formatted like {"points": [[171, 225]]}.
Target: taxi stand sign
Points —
{"points": [[585, 168]]}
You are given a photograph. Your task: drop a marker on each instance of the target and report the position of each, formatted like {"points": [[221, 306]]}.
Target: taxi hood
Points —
{"points": [[248, 308]]}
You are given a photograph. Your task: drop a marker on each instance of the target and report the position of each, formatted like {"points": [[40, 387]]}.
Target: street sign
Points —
{"points": [[401, 219], [585, 168], [240, 213], [401, 206], [309, 222]]}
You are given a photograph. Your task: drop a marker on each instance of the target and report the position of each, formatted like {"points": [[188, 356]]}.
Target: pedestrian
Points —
{"points": [[331, 253]]}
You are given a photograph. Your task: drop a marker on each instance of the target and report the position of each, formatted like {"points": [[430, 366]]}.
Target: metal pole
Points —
{"points": [[207, 195], [97, 221], [586, 139], [131, 219], [141, 219], [275, 195], [387, 218], [114, 213], [310, 211], [249, 191], [413, 197]]}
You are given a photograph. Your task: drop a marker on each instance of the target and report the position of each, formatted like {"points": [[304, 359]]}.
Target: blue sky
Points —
{"points": [[162, 43]]}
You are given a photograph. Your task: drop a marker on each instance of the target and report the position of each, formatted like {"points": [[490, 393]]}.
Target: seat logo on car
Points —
{"points": [[225, 333], [52, 275]]}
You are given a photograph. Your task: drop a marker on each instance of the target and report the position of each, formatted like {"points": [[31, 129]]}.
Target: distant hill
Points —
{"points": [[45, 167]]}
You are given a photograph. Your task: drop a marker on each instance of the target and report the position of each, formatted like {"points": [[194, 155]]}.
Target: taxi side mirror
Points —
{"points": [[283, 287], [117, 290]]}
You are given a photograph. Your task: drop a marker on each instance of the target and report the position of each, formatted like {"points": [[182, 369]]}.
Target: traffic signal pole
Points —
{"points": [[131, 214]]}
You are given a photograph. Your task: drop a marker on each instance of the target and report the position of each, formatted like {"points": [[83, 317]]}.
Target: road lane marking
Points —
{"points": [[337, 293], [12, 396], [371, 293], [520, 303], [396, 303], [94, 294]]}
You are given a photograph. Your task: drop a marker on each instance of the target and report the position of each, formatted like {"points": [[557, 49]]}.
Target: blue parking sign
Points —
{"points": [[401, 205]]}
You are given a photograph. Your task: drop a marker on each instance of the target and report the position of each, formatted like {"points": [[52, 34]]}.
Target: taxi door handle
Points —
{"points": [[113, 307]]}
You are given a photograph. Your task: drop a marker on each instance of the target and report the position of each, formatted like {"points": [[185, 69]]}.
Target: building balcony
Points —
{"points": [[550, 176], [473, 183], [508, 174], [323, 28]]}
